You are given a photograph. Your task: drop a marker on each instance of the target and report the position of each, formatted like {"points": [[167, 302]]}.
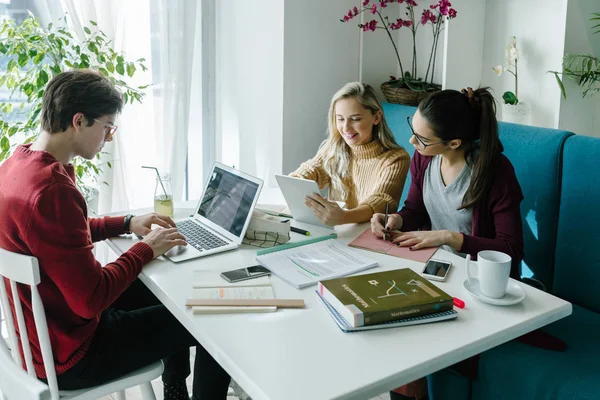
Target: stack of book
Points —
{"points": [[384, 300], [208, 285]]}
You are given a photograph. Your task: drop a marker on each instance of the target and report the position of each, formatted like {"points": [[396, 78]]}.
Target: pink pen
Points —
{"points": [[458, 302]]}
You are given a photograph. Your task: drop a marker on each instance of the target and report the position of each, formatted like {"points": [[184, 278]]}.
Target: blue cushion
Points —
{"points": [[577, 276], [518, 371], [448, 384], [536, 153], [395, 115]]}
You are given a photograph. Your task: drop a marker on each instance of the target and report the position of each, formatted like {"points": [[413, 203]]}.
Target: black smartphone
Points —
{"points": [[242, 274], [436, 270]]}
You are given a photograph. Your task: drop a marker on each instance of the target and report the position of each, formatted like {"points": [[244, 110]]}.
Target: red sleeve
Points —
{"points": [[106, 227], [414, 214], [59, 236]]}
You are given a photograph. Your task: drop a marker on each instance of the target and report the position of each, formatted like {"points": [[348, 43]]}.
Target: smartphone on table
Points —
{"points": [[436, 270], [236, 275]]}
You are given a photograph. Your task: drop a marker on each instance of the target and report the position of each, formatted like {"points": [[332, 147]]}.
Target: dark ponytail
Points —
{"points": [[469, 115]]}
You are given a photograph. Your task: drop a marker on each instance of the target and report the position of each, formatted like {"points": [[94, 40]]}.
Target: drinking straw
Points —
{"points": [[159, 180]]}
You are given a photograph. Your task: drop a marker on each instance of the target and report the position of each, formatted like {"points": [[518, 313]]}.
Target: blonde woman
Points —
{"points": [[360, 161]]}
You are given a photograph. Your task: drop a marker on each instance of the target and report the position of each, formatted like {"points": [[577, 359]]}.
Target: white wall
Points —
{"points": [[463, 50], [539, 26], [577, 114], [377, 58], [250, 84], [321, 54]]}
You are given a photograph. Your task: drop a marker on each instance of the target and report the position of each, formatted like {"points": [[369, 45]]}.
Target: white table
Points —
{"points": [[300, 354]]}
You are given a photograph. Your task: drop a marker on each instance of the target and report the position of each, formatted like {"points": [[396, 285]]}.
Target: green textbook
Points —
{"points": [[384, 296]]}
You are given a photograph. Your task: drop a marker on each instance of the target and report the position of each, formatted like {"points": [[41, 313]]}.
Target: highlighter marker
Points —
{"points": [[300, 231]]}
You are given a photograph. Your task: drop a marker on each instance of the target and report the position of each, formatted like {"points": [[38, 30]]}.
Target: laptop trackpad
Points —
{"points": [[175, 251]]}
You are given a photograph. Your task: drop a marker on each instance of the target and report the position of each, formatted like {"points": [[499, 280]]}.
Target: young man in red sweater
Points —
{"points": [[103, 322]]}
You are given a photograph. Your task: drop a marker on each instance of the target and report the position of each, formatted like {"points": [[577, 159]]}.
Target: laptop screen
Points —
{"points": [[227, 200]]}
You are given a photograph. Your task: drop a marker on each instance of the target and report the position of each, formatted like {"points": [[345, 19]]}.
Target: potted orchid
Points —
{"points": [[411, 86], [513, 110]]}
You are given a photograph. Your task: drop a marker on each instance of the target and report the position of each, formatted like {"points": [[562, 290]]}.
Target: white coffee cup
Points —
{"points": [[493, 271]]}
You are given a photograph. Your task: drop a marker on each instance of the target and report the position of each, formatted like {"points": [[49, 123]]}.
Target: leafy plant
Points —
{"points": [[37, 54], [435, 16], [583, 68], [512, 67]]}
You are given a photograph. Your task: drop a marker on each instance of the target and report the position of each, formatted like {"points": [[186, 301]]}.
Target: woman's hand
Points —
{"points": [[422, 239], [140, 224], [394, 223], [328, 212]]}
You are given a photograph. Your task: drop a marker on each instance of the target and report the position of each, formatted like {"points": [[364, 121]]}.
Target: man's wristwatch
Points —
{"points": [[127, 222]]}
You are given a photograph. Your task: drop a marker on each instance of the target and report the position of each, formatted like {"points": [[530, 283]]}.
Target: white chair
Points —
{"points": [[14, 382], [22, 269]]}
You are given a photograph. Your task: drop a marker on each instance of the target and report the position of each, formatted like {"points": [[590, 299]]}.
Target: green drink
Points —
{"points": [[164, 205]]}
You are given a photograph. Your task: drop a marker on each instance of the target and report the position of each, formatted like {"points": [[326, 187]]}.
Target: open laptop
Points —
{"points": [[222, 216]]}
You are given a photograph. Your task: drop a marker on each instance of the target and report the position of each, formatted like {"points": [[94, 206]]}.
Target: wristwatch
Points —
{"points": [[127, 222]]}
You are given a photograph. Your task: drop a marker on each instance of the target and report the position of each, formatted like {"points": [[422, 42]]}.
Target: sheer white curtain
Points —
{"points": [[155, 132]]}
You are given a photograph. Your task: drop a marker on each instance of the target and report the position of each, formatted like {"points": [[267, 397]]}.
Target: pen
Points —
{"points": [[458, 302], [300, 231], [385, 220]]}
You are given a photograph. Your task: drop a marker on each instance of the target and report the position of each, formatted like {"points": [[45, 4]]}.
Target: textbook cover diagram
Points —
{"points": [[379, 297]]}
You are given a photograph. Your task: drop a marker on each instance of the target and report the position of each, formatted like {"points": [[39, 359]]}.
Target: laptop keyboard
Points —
{"points": [[199, 237]]}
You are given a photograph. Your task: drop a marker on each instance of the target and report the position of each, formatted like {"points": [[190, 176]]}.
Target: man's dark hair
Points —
{"points": [[80, 90]]}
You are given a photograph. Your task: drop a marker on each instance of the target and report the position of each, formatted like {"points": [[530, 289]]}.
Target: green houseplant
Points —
{"points": [[583, 68], [36, 54], [513, 110]]}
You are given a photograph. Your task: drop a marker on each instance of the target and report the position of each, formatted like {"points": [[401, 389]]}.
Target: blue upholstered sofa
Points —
{"points": [[559, 173]]}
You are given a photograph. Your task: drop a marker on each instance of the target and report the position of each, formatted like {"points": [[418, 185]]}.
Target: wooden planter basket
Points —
{"points": [[402, 96]]}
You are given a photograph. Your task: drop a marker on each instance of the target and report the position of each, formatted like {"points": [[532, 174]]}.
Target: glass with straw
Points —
{"points": [[163, 194]]}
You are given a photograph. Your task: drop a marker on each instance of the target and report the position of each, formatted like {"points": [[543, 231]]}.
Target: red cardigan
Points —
{"points": [[496, 218], [43, 214]]}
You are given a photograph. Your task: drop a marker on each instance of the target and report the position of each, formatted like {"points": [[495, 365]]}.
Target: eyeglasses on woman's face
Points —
{"points": [[109, 129], [420, 140]]}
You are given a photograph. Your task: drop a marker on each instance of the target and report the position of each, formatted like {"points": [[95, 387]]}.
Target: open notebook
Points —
{"points": [[368, 241], [210, 285], [308, 261], [425, 319]]}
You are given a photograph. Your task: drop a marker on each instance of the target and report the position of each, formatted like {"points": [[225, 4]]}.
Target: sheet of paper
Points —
{"points": [[367, 240], [258, 292], [233, 292], [306, 265]]}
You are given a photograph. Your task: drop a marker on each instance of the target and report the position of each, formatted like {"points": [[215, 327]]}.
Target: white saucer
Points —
{"points": [[514, 293]]}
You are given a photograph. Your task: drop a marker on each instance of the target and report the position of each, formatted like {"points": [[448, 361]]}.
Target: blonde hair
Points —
{"points": [[337, 160]]}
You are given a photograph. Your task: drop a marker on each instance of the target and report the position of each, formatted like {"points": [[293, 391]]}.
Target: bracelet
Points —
{"points": [[127, 222]]}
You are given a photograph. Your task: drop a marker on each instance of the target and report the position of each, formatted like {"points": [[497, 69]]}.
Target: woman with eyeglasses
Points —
{"points": [[464, 194], [360, 160]]}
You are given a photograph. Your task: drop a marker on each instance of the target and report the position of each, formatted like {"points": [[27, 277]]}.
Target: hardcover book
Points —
{"points": [[380, 297]]}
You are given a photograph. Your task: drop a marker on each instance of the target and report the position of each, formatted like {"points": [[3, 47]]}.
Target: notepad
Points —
{"points": [[425, 319], [306, 262], [210, 285], [368, 241]]}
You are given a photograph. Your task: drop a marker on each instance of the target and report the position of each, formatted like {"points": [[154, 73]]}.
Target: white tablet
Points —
{"points": [[294, 191]]}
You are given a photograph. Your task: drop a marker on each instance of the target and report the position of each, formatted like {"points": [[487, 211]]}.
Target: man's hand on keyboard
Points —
{"points": [[141, 225], [164, 239]]}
